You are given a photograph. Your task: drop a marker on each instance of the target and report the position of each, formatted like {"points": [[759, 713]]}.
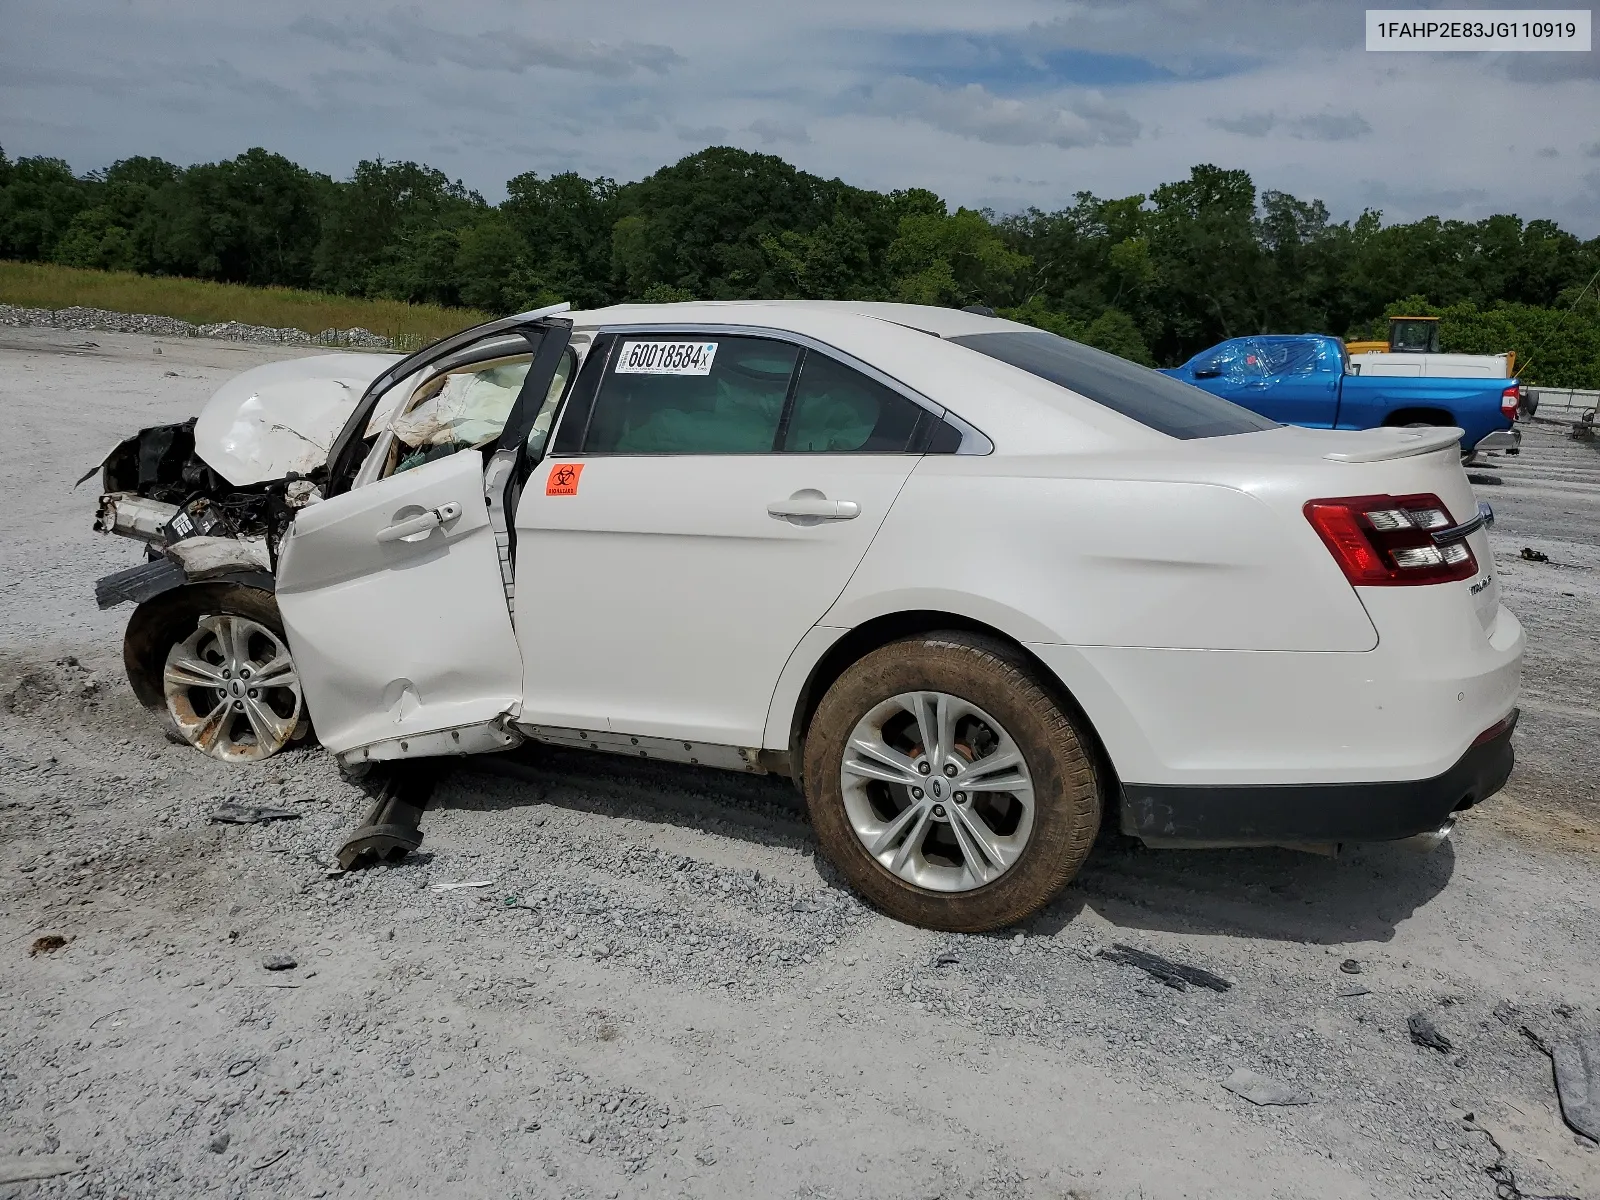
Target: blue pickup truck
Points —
{"points": [[1306, 379]]}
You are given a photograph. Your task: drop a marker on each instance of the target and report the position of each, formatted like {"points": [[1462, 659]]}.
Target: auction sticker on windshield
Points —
{"points": [[666, 358]]}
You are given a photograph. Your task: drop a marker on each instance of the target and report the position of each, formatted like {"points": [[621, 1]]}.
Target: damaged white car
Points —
{"points": [[972, 586]]}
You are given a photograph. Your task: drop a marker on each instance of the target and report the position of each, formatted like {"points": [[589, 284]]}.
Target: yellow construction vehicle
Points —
{"points": [[1420, 335]]}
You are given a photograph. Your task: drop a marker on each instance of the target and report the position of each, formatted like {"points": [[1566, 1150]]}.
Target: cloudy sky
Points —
{"points": [[1005, 103]]}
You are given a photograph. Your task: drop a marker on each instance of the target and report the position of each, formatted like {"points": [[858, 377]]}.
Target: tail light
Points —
{"points": [[1383, 540], [1510, 402]]}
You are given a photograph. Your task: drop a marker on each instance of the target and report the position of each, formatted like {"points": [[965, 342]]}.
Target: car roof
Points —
{"points": [[793, 315]]}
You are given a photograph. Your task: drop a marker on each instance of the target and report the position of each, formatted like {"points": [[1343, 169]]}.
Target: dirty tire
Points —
{"points": [[986, 673], [163, 621]]}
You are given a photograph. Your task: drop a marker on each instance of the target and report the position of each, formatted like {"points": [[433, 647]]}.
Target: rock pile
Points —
{"points": [[232, 331]]}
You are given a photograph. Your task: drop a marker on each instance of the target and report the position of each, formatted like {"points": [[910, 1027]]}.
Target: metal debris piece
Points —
{"points": [[1350, 967], [1532, 555], [465, 883], [1177, 976], [48, 944], [279, 962], [1425, 1033], [231, 812], [1258, 1089], [1351, 991]]}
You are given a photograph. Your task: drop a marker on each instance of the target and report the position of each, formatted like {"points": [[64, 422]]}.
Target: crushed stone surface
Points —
{"points": [[664, 991], [78, 317]]}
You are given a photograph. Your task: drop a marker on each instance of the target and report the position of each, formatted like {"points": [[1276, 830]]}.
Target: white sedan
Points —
{"points": [[974, 587]]}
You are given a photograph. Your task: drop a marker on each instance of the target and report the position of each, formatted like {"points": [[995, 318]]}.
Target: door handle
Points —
{"points": [[422, 523], [809, 506]]}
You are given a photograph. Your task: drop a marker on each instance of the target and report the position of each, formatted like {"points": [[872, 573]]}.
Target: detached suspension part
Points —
{"points": [[392, 829]]}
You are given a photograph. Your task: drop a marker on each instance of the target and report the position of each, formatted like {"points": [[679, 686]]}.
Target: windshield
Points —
{"points": [[1149, 397]]}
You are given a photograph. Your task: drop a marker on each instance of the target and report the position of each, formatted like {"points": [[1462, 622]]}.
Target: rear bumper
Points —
{"points": [[1275, 814], [1506, 440]]}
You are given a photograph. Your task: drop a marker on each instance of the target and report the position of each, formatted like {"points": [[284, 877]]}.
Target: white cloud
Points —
{"points": [[1312, 127], [403, 36], [779, 133], [1068, 122]]}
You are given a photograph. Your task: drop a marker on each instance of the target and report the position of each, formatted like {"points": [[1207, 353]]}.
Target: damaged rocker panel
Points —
{"points": [[487, 737], [706, 754]]}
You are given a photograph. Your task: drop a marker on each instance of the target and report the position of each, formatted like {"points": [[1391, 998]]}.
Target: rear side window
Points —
{"points": [[700, 395], [1177, 409], [837, 409]]}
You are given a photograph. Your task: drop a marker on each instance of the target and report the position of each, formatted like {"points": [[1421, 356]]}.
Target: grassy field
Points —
{"points": [[44, 285]]}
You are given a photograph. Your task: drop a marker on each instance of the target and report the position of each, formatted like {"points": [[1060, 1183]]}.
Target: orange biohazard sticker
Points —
{"points": [[563, 480]]}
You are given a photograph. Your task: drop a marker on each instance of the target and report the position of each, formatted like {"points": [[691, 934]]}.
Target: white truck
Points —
{"points": [[1413, 349]]}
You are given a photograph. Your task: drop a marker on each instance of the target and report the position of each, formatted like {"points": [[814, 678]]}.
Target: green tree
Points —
{"points": [[953, 258], [37, 206], [253, 219], [370, 224]]}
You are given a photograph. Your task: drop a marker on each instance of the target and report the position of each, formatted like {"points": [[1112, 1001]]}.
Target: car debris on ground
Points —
{"points": [[1575, 1061], [1425, 1033], [233, 813], [1258, 1089], [21, 1170], [1175, 975]]}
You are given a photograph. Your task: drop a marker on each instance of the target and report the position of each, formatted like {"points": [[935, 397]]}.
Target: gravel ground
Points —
{"points": [[79, 318], [661, 989]]}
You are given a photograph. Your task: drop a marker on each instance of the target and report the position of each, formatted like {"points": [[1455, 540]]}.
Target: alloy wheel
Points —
{"points": [[937, 791], [232, 689]]}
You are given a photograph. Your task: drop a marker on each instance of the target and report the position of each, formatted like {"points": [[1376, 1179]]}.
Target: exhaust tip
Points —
{"points": [[1431, 841]]}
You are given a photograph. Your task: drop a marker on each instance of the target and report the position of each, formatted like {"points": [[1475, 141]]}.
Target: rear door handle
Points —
{"points": [[422, 523], [809, 506]]}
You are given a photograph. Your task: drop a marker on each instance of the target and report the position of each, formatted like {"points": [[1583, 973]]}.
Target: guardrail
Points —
{"points": [[1564, 404], [1573, 407]]}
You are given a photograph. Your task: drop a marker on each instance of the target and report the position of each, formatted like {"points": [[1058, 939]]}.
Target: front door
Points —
{"points": [[714, 503], [393, 594]]}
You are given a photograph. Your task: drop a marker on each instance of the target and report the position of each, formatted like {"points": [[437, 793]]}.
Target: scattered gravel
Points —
{"points": [[230, 331], [665, 990]]}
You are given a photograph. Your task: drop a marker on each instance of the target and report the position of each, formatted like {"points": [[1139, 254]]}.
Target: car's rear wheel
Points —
{"points": [[214, 663], [948, 785]]}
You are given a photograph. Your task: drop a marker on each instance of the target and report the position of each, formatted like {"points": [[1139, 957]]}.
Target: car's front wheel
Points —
{"points": [[213, 661], [948, 785]]}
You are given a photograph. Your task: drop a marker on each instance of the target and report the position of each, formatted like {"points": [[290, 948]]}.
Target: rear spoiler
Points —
{"points": [[1392, 443]]}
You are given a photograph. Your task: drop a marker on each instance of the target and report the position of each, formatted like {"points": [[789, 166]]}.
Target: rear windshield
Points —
{"points": [[1149, 397]]}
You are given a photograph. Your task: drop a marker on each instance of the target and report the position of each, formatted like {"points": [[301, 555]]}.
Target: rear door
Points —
{"points": [[707, 499], [392, 593]]}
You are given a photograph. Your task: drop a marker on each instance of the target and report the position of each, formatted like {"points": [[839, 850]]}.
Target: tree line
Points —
{"points": [[1153, 277]]}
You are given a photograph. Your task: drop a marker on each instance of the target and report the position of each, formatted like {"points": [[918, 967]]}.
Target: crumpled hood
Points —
{"points": [[282, 416]]}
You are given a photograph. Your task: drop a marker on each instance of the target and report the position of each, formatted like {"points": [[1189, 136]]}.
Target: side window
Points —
{"points": [[468, 407], [837, 409], [691, 395], [457, 410]]}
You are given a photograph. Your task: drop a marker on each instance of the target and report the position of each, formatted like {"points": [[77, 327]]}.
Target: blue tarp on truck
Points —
{"points": [[1306, 379]]}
